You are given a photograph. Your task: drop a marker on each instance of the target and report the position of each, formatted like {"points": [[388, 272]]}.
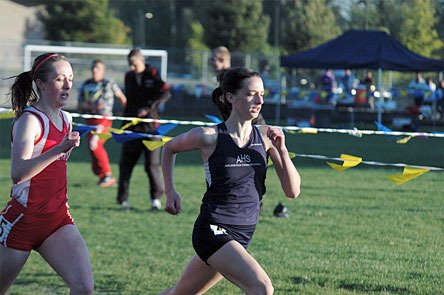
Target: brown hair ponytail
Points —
{"points": [[22, 92], [224, 106]]}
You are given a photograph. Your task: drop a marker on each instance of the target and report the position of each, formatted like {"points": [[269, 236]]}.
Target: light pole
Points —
{"points": [[277, 9], [173, 29], [142, 32], [365, 13]]}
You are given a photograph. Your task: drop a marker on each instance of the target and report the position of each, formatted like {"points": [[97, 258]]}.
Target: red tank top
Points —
{"points": [[47, 191]]}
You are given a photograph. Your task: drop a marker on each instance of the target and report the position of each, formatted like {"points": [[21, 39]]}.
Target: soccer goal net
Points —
{"points": [[80, 58]]}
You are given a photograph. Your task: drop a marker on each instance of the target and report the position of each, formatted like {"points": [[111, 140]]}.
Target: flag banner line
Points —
{"points": [[309, 130], [372, 163]]}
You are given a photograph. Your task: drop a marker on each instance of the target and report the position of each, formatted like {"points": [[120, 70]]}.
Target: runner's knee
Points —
{"points": [[260, 286], [86, 286]]}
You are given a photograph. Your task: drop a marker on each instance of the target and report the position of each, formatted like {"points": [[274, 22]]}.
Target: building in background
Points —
{"points": [[18, 23]]}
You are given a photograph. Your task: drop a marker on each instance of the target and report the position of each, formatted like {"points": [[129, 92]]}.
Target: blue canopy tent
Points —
{"points": [[358, 49]]}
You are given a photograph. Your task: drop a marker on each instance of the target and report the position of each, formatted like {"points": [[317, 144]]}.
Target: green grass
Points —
{"points": [[351, 232]]}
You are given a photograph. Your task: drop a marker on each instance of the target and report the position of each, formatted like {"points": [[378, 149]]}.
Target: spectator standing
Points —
{"points": [[145, 91], [348, 81], [439, 94], [220, 59], [418, 88], [368, 81], [328, 84], [96, 96], [430, 98], [369, 88]]}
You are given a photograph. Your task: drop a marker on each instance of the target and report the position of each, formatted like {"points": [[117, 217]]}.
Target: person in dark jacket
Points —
{"points": [[145, 91]]}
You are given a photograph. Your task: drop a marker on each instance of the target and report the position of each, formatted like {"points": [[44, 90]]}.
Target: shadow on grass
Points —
{"points": [[108, 284], [309, 281], [103, 283], [354, 287], [36, 278], [117, 208], [372, 288]]}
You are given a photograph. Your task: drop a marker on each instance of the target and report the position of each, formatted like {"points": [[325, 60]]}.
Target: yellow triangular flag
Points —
{"points": [[337, 167], [290, 154], [309, 130], [408, 174], [349, 161], [7, 115], [133, 122], [115, 130], [152, 145], [404, 140], [104, 136]]}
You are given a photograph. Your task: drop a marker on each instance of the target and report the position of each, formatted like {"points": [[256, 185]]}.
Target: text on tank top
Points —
{"points": [[235, 179]]}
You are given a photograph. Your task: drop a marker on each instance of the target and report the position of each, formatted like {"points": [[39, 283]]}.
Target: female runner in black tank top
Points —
{"points": [[234, 153]]}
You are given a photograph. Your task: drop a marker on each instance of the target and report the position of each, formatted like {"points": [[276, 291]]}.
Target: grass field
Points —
{"points": [[352, 232]]}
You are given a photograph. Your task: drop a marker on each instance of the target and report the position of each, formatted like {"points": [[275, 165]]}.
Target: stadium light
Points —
{"points": [[365, 13], [142, 30]]}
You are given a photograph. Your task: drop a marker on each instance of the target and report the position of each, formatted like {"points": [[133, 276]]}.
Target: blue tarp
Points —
{"points": [[356, 49]]}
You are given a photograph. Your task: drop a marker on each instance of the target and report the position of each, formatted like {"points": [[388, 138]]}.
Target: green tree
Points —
{"points": [[195, 42], [239, 25], [439, 4], [416, 24], [377, 15], [387, 17], [440, 22], [306, 24], [196, 46], [419, 32], [170, 26], [83, 21]]}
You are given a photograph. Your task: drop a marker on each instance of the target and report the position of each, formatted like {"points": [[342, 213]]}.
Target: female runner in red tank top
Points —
{"points": [[37, 217]]}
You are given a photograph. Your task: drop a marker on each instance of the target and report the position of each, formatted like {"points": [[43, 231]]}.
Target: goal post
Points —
{"points": [[80, 58], [30, 49]]}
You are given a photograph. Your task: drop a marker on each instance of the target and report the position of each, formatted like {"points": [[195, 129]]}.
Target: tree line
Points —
{"points": [[253, 26]]}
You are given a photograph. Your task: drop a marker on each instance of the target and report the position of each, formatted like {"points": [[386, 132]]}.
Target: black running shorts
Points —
{"points": [[208, 237]]}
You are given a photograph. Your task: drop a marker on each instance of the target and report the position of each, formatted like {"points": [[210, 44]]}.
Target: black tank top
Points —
{"points": [[235, 179]]}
